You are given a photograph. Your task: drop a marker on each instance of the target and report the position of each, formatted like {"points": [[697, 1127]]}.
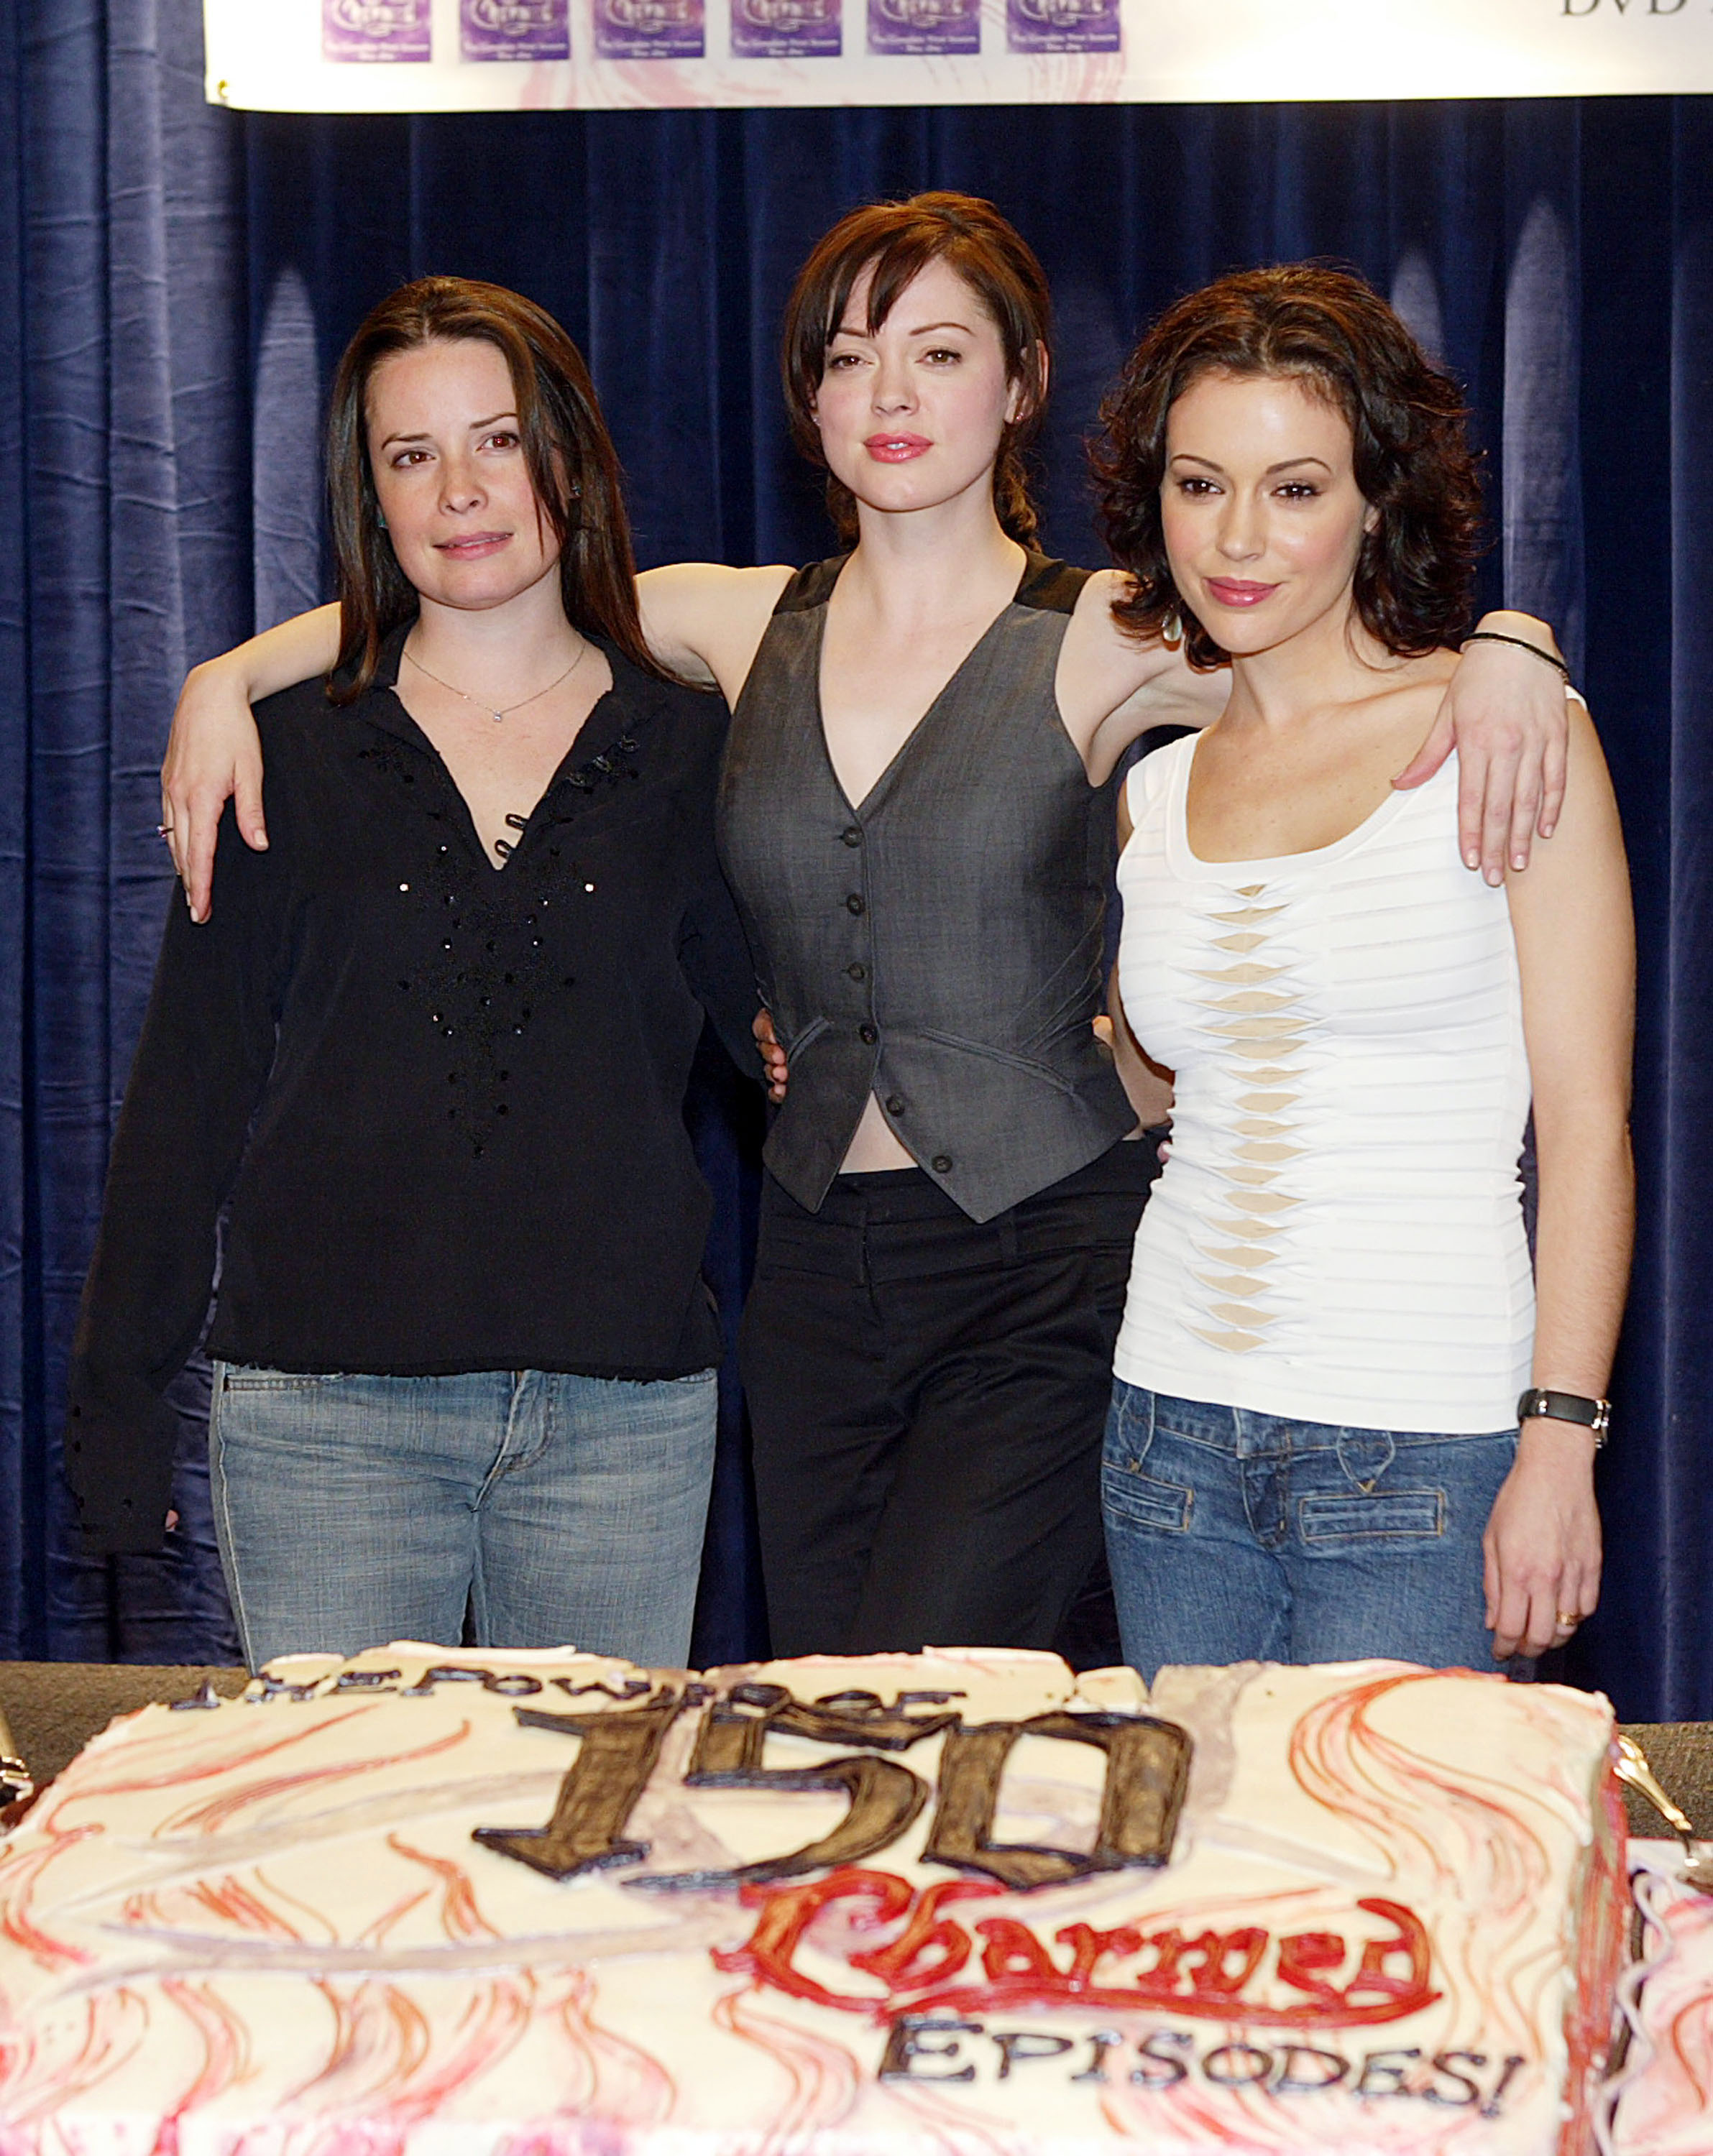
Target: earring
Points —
{"points": [[381, 518], [1171, 630]]}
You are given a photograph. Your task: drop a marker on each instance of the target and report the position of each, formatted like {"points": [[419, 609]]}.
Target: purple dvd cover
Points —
{"points": [[924, 26], [1064, 26], [376, 29], [514, 29], [650, 29], [786, 29]]}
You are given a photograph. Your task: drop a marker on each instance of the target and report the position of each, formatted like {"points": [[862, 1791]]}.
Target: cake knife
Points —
{"points": [[1632, 1766]]}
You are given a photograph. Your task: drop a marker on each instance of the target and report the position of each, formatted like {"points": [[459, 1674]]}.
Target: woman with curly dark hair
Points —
{"points": [[916, 819], [1317, 1448]]}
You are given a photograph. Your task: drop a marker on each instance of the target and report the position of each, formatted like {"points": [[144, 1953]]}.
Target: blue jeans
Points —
{"points": [[563, 1510], [1236, 1537]]}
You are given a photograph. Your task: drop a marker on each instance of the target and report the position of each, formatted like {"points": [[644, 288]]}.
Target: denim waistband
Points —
{"points": [[1247, 1433]]}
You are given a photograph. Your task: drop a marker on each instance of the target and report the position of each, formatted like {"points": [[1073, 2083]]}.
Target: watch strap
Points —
{"points": [[1540, 1401]]}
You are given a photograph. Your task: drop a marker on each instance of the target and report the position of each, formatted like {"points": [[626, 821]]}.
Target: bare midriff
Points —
{"points": [[875, 1145]]}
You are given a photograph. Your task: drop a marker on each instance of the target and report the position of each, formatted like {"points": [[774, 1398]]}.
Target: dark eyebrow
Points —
{"points": [[475, 425], [925, 329], [1189, 456]]}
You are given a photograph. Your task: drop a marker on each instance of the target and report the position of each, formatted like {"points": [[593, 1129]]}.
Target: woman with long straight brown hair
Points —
{"points": [[917, 820], [431, 1045]]}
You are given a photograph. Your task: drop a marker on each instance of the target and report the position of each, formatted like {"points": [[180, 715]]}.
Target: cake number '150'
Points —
{"points": [[1147, 1767]]}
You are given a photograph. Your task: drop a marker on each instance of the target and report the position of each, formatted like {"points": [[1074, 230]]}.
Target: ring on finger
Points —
{"points": [[1568, 1620], [164, 830]]}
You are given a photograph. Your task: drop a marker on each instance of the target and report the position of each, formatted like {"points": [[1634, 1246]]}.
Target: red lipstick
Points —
{"points": [[895, 449]]}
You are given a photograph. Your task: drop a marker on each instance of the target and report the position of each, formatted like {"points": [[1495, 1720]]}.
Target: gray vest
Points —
{"points": [[940, 946]]}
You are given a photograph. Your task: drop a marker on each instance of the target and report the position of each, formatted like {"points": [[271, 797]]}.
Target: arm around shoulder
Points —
{"points": [[1112, 688], [704, 620], [1504, 712], [213, 752]]}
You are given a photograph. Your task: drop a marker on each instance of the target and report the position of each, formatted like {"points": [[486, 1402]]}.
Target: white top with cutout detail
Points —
{"points": [[1338, 1235]]}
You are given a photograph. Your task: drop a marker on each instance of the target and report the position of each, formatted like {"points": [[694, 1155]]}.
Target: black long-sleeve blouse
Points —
{"points": [[444, 1100]]}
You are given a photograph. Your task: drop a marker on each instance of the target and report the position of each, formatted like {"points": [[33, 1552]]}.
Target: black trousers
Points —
{"points": [[927, 1399]]}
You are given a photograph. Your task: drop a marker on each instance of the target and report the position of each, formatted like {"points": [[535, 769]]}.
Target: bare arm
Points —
{"points": [[1576, 951], [705, 621], [702, 620], [1503, 712], [1149, 1085], [1112, 690], [213, 750]]}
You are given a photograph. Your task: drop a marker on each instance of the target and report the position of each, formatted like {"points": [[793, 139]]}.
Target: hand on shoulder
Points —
{"points": [[1503, 711]]}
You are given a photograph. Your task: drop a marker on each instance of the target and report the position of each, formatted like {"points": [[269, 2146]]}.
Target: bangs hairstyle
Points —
{"points": [[573, 468], [1413, 461], [898, 241]]}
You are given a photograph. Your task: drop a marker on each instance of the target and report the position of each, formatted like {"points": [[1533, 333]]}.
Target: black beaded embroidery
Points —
{"points": [[384, 756], [492, 965]]}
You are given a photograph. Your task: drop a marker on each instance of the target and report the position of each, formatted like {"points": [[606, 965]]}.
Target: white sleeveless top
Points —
{"points": [[1338, 1235]]}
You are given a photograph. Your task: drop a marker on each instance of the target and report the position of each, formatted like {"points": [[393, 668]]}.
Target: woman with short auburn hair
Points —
{"points": [[916, 819], [431, 1045], [894, 242], [1348, 1421]]}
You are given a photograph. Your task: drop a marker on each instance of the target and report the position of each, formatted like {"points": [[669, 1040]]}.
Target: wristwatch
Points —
{"points": [[1566, 1407]]}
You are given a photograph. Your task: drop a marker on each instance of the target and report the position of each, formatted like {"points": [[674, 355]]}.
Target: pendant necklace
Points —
{"points": [[506, 711]]}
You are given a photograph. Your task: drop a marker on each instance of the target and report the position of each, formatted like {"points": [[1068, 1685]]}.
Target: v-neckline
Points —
{"points": [[859, 809], [568, 762]]}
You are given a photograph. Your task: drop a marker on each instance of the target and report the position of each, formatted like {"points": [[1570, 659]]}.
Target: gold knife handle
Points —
{"points": [[1633, 1768]]}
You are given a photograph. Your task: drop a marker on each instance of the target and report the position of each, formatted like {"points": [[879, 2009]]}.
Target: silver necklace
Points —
{"points": [[506, 711]]}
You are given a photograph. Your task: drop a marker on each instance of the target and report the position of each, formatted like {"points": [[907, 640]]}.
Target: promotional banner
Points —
{"points": [[468, 55]]}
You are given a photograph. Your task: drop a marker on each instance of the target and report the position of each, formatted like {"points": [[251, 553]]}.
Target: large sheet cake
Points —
{"points": [[434, 1904]]}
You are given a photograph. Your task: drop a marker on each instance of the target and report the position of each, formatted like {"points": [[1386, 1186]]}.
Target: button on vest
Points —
{"points": [[958, 983]]}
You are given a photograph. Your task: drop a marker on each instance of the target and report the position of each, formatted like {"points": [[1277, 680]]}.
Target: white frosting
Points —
{"points": [[1659, 2101], [267, 1924]]}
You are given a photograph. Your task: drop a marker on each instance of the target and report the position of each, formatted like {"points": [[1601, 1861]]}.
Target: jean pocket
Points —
{"points": [[1132, 1499], [250, 1380], [1389, 1515]]}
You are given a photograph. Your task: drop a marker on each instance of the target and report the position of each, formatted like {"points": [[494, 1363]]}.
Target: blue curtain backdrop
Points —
{"points": [[176, 282]]}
